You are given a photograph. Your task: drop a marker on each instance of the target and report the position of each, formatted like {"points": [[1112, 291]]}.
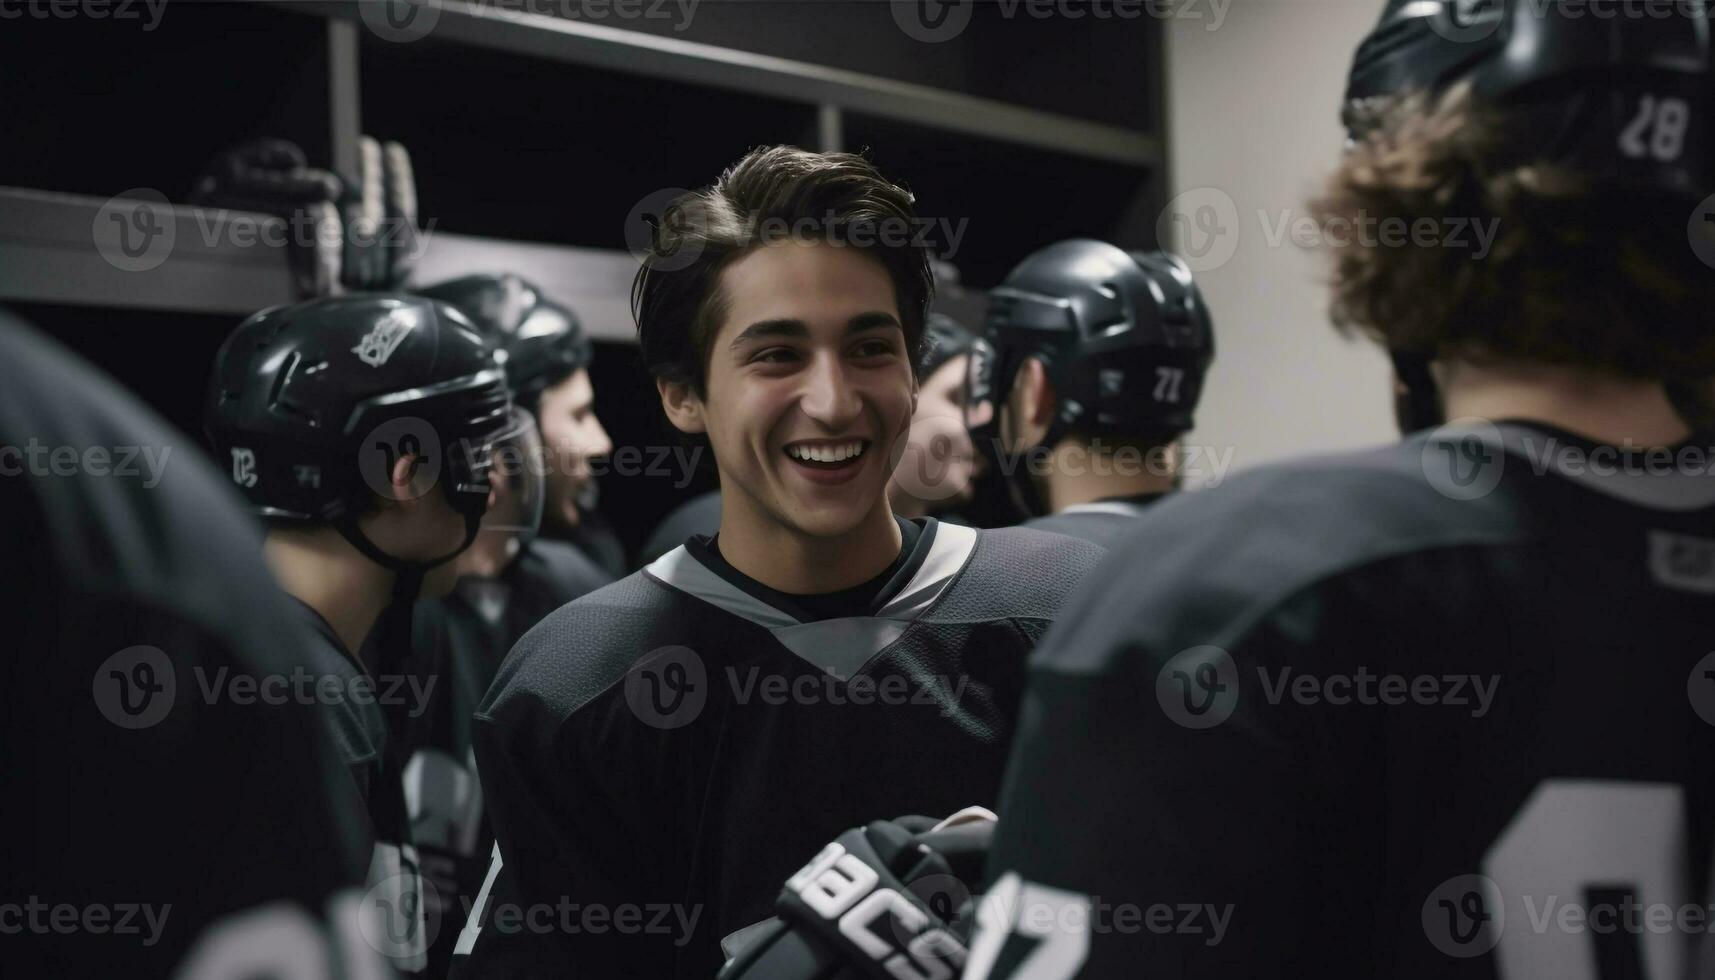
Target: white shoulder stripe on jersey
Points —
{"points": [[839, 646], [1115, 507]]}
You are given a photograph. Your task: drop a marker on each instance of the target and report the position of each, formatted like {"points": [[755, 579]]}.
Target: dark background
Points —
{"points": [[511, 147]]}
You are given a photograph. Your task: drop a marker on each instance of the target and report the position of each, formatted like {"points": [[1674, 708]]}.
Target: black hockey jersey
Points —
{"points": [[1101, 522], [468, 633], [165, 808], [356, 706], [659, 756], [1444, 709]]}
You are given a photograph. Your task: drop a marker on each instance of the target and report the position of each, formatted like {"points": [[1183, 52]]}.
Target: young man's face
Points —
{"points": [[572, 437], [809, 386]]}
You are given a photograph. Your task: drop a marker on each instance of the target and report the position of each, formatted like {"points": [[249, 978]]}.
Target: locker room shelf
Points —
{"points": [[54, 248]]}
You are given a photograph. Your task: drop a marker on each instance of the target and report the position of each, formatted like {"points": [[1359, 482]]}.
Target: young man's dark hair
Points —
{"points": [[1444, 708], [772, 195], [679, 740]]}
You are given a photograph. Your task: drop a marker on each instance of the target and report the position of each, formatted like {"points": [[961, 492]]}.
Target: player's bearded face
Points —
{"points": [[809, 385]]}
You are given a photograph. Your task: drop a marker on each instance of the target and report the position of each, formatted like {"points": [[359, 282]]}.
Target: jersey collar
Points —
{"points": [[840, 646]]}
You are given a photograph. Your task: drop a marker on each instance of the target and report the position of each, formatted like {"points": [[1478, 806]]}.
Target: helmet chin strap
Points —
{"points": [[395, 620]]}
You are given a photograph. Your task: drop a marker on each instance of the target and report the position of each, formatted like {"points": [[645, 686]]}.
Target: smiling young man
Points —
{"points": [[659, 755]]}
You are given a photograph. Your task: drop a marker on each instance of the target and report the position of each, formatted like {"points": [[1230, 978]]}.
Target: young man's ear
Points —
{"points": [[1030, 404], [408, 480], [684, 409]]}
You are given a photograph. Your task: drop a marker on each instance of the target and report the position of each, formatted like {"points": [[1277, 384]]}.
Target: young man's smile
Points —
{"points": [[808, 374]]}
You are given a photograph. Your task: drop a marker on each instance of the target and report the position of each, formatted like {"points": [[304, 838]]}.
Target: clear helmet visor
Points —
{"points": [[515, 478]]}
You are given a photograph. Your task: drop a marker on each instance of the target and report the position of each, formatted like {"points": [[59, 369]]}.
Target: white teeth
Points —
{"points": [[825, 454]]}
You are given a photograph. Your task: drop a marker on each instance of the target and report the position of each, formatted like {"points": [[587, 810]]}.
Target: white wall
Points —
{"points": [[1253, 114]]}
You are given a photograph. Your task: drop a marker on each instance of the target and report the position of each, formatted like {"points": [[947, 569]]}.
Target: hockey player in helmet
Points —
{"points": [[361, 430], [547, 358], [509, 578], [1090, 368], [678, 740], [1376, 714]]}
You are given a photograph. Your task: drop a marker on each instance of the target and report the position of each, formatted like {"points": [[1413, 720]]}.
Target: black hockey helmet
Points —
{"points": [[1620, 94], [310, 405], [541, 341], [1125, 337]]}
